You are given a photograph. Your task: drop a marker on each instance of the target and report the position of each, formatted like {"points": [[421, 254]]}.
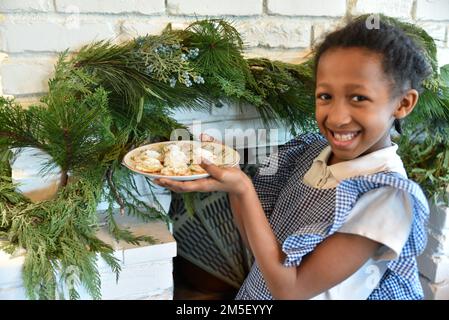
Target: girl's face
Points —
{"points": [[354, 109]]}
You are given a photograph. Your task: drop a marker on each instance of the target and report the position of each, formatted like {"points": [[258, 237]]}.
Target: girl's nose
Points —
{"points": [[339, 115]]}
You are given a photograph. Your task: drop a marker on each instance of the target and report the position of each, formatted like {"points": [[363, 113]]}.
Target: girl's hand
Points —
{"points": [[231, 180]]}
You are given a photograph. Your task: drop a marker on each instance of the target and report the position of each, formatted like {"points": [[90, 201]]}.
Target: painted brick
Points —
{"points": [[11, 270], [111, 6], [143, 281], [439, 217], [307, 7], [150, 281], [131, 28], [52, 35], [437, 242], [436, 30], [26, 6], [398, 8], [432, 10], [443, 56], [435, 291], [434, 268], [3, 56], [276, 32], [287, 55], [12, 293], [26, 75], [215, 7], [321, 28]]}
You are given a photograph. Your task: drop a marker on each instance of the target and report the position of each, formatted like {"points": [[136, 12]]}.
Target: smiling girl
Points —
{"points": [[338, 219]]}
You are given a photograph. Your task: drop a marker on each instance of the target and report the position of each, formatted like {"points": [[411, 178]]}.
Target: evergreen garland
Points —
{"points": [[425, 145], [110, 98]]}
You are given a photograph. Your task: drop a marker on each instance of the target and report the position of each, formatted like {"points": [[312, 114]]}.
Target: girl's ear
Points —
{"points": [[406, 104]]}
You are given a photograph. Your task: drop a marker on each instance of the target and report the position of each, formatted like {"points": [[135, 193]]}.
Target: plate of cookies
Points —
{"points": [[179, 160]]}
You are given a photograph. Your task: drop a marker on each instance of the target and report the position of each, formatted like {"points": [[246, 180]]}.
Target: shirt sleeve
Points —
{"points": [[384, 215]]}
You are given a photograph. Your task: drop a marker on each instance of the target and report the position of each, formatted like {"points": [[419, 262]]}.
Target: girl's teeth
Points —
{"points": [[344, 137]]}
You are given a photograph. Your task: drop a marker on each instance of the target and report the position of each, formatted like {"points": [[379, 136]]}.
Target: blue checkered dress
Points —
{"points": [[301, 217]]}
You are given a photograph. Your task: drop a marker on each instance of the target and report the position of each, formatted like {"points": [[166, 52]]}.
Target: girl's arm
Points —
{"points": [[332, 261], [237, 214]]}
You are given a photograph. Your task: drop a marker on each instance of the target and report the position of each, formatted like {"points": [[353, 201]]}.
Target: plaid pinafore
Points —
{"points": [[302, 216]]}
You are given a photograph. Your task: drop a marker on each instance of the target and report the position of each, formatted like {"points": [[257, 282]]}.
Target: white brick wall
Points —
{"points": [[276, 32], [111, 6], [131, 28], [307, 7], [17, 74], [437, 30], [443, 56], [432, 9], [26, 6], [434, 262], [292, 55], [52, 34], [397, 8], [435, 291], [215, 8], [3, 56], [321, 27], [439, 219]]}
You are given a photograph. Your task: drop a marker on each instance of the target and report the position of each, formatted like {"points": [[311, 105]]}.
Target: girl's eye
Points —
{"points": [[324, 96], [359, 98]]}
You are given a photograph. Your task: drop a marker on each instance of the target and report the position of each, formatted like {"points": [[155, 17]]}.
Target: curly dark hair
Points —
{"points": [[404, 61]]}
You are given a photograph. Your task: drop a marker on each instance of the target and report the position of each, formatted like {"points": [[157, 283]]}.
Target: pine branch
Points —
{"points": [[19, 127], [112, 187]]}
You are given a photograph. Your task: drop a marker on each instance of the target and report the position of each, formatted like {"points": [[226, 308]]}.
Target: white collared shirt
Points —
{"points": [[383, 215], [322, 176]]}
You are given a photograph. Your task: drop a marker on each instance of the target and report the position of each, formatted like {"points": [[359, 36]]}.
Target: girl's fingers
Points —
{"points": [[201, 185], [176, 186], [215, 171]]}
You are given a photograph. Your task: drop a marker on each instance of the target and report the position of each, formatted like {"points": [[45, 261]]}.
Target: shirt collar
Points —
{"points": [[385, 159]]}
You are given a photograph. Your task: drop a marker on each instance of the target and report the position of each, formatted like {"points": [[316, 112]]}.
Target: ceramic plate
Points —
{"points": [[225, 157]]}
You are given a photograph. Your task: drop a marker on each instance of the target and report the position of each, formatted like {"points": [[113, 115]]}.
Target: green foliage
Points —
{"points": [[75, 143], [18, 127], [287, 91], [58, 236], [426, 155], [425, 147], [220, 47], [189, 202]]}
